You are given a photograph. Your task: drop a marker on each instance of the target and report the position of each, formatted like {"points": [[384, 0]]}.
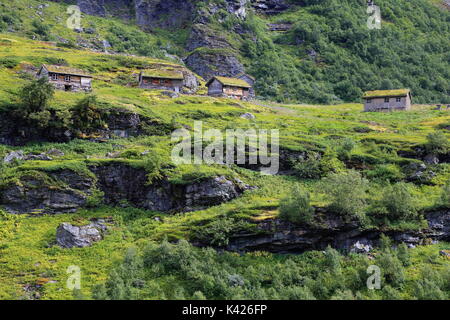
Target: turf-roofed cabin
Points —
{"points": [[161, 80], [66, 78], [229, 87], [387, 100]]}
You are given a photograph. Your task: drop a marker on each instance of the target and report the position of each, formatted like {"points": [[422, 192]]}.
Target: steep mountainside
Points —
{"points": [[91, 181], [304, 50]]}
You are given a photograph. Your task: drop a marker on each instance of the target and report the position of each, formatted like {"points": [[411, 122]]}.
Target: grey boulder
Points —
{"points": [[70, 236]]}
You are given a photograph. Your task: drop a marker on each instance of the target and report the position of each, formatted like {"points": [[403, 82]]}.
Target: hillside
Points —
{"points": [[90, 181], [299, 50]]}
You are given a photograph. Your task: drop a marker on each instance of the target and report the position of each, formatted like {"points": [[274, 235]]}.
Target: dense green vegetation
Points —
{"points": [[328, 56], [359, 166], [179, 271], [331, 55]]}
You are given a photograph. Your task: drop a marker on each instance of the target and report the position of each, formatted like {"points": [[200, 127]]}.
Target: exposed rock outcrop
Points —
{"points": [[279, 236], [119, 123], [270, 7], [210, 63], [70, 236], [62, 191], [66, 191], [120, 182], [163, 13]]}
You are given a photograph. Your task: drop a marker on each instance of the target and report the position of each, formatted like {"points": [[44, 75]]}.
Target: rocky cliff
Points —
{"points": [[218, 56], [279, 236], [67, 191]]}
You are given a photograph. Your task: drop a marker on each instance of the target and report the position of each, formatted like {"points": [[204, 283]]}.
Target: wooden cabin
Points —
{"points": [[161, 80], [66, 78], [250, 80], [387, 100], [229, 87]]}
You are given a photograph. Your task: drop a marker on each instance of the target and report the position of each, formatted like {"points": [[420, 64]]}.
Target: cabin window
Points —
{"points": [[386, 100], [155, 82], [67, 78], [368, 100], [398, 99], [54, 76]]}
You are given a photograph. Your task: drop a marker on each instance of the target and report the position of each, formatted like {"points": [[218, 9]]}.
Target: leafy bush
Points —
{"points": [[36, 96], [385, 172], [41, 29], [153, 164], [348, 194], [296, 207], [308, 169], [9, 62], [316, 166], [397, 203], [56, 61], [86, 116], [218, 232], [444, 200], [345, 148], [437, 143], [206, 273], [124, 281], [393, 271]]}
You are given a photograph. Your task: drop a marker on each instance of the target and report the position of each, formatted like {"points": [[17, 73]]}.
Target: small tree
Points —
{"points": [[398, 202], [437, 143], [348, 193], [392, 268], [85, 114], [296, 207], [36, 96], [445, 196], [403, 254], [41, 29]]}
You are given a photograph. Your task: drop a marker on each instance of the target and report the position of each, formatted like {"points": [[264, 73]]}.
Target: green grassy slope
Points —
{"points": [[29, 257], [28, 254], [329, 55]]}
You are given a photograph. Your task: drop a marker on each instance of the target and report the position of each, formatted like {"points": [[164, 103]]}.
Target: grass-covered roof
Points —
{"points": [[232, 82], [66, 70], [163, 74], [386, 93]]}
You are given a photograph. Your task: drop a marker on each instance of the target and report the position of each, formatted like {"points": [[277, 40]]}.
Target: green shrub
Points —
{"points": [[385, 172], [56, 61], [430, 284], [397, 203], [41, 29], [218, 232], [308, 169], [86, 116], [36, 96], [403, 254], [296, 207], [316, 166], [444, 200], [392, 269], [9, 62], [437, 143], [348, 194], [153, 164], [345, 147]]}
